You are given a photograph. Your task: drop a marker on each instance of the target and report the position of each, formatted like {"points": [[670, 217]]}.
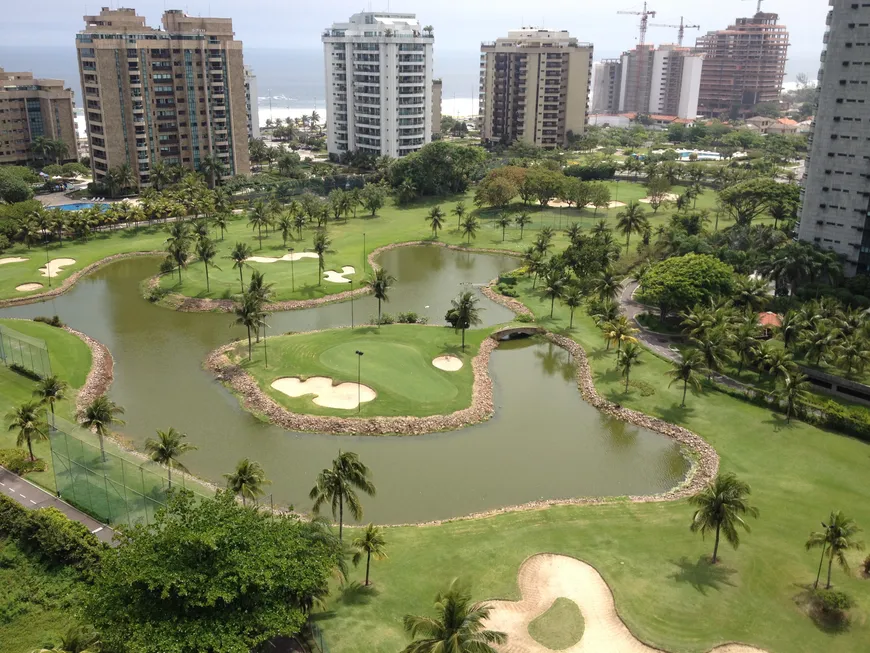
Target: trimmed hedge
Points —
{"points": [[50, 534]]}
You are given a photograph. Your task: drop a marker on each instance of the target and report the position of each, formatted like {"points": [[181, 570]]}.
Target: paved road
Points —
{"points": [[32, 497]]}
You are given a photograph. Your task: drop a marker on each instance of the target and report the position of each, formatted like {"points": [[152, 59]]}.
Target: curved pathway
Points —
{"points": [[545, 577]]}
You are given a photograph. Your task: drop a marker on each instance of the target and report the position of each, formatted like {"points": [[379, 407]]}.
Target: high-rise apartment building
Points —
{"points": [[175, 95], [534, 87], [660, 81], [436, 106], [744, 65], [30, 108], [835, 202], [378, 84], [251, 103]]}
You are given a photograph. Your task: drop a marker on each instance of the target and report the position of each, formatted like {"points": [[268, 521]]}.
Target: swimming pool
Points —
{"points": [[78, 206]]}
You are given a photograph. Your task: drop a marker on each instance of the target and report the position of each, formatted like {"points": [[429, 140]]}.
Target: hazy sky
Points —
{"points": [[459, 25]]}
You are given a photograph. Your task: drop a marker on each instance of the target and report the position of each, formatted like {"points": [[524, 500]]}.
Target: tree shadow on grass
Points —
{"points": [[778, 423], [832, 624], [702, 574], [452, 349], [676, 414], [598, 353], [355, 593]]}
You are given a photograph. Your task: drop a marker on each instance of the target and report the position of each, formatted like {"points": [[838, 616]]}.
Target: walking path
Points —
{"points": [[32, 497], [545, 577]]}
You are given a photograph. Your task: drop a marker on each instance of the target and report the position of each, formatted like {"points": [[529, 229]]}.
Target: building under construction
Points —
{"points": [[744, 65]]}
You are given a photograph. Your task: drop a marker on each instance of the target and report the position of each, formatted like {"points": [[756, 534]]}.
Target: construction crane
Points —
{"points": [[644, 19], [681, 27], [758, 10]]}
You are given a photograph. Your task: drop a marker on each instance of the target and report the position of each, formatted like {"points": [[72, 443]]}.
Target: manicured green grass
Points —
{"points": [[351, 240], [70, 360], [665, 590], [396, 364], [559, 627], [38, 603]]}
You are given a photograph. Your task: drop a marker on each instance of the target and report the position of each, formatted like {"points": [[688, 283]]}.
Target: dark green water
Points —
{"points": [[544, 441]]}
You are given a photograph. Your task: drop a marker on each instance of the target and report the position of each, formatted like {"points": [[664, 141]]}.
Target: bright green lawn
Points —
{"points": [[70, 360], [665, 590], [559, 627], [396, 364], [301, 280]]}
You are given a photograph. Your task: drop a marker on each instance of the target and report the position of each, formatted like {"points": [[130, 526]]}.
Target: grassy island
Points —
{"points": [[396, 364]]}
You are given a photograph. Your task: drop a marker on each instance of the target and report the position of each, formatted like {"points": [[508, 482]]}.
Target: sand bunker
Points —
{"points": [[28, 287], [343, 395], [55, 265], [560, 204], [338, 277], [668, 197], [544, 578], [11, 259], [447, 363], [295, 256]]}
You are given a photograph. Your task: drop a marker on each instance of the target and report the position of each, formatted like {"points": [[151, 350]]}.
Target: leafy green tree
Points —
{"points": [[241, 253], [247, 480], [209, 575], [687, 369], [50, 390], [721, 507], [680, 282], [338, 487], [100, 416], [371, 544], [658, 188], [380, 281], [29, 421], [373, 197], [167, 448], [464, 313], [600, 198], [469, 228], [435, 218], [546, 184], [439, 168], [631, 220], [836, 539], [627, 358], [747, 200], [458, 626]]}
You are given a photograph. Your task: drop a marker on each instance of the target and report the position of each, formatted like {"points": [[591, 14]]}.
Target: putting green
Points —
{"points": [[396, 364]]}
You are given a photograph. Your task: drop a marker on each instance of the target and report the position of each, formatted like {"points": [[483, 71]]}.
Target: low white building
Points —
{"points": [[251, 103], [378, 68]]}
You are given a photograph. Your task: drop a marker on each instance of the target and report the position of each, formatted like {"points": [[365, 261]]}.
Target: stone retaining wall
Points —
{"points": [[70, 281], [256, 400], [101, 374]]}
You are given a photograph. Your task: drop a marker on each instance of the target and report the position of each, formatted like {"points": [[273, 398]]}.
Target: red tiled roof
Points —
{"points": [[786, 121], [769, 319]]}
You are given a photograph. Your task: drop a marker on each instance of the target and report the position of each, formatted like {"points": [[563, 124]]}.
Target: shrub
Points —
{"points": [[832, 602], [506, 290], [54, 320], [525, 318], [18, 462], [167, 266], [386, 318], [4, 242], [157, 293], [23, 371], [866, 566], [507, 280], [407, 318], [646, 389]]}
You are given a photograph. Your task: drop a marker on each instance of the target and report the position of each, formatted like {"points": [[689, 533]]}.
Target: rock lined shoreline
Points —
{"points": [[67, 284], [256, 400], [101, 374]]}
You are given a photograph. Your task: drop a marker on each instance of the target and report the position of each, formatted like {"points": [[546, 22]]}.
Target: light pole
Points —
{"points": [[351, 303], [617, 191], [359, 356], [292, 274], [364, 252]]}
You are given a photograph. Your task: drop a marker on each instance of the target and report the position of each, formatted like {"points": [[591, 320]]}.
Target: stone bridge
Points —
{"points": [[512, 333]]}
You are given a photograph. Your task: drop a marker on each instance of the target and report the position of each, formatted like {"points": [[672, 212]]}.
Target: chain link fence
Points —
{"points": [[26, 352], [113, 485]]}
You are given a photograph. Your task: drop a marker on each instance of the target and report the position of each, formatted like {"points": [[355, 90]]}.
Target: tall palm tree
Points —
{"points": [[522, 220], [687, 369], [504, 221], [213, 168], [631, 220], [606, 285], [555, 280], [626, 358], [380, 281], [435, 218], [459, 211], [166, 449], [837, 537], [247, 480], [320, 245], [258, 218], [241, 253], [27, 419], [76, 639], [619, 330], [745, 345], [852, 353], [714, 348], [370, 543], [100, 416], [248, 314], [573, 298], [793, 391], [338, 485], [464, 312], [159, 175], [206, 250], [50, 390], [221, 221], [721, 507], [458, 626], [469, 227], [285, 225]]}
